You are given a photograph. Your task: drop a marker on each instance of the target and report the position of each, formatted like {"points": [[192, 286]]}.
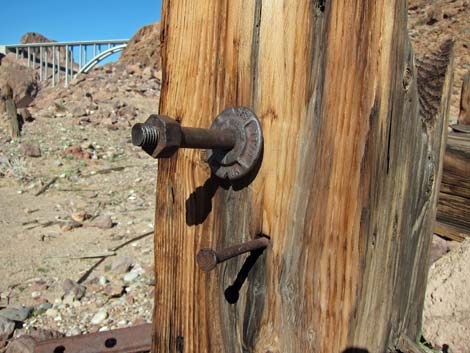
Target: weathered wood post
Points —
{"points": [[346, 191], [464, 116], [10, 108]]}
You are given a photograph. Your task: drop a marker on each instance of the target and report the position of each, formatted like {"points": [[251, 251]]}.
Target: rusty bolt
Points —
{"points": [[208, 259], [233, 142]]}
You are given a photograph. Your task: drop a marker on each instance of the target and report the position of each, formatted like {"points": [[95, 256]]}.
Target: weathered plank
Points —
{"points": [[454, 197], [450, 232], [464, 115], [346, 190]]}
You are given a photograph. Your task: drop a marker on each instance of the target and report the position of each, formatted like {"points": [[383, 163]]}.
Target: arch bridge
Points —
{"points": [[64, 60]]}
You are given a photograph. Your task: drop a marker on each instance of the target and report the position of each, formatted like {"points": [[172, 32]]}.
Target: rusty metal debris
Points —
{"points": [[208, 259], [234, 141], [126, 340]]}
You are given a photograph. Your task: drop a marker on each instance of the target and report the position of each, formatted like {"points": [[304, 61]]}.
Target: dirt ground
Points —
{"points": [[63, 233]]}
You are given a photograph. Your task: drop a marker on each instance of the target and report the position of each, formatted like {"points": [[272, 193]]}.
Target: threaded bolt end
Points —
{"points": [[144, 135]]}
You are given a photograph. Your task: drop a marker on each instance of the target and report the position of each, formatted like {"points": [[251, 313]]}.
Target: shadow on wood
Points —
{"points": [[199, 203], [232, 293]]}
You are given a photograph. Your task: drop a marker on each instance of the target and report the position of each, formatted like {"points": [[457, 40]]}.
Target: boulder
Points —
{"points": [[446, 317], [6, 329], [21, 79], [16, 313], [34, 37], [144, 47]]}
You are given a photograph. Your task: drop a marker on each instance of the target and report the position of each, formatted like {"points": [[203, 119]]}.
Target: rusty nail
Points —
{"points": [[208, 259]]}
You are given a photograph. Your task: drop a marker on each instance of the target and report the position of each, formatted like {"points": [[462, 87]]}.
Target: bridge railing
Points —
{"points": [[58, 60]]}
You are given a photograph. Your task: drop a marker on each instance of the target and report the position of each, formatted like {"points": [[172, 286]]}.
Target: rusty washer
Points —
{"points": [[234, 142]]}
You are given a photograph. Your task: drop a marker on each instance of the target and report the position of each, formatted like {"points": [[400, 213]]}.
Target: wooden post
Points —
{"points": [[10, 108], [464, 116], [346, 190]]}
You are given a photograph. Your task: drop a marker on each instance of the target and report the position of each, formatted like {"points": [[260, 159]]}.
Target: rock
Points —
{"points": [[127, 111], [446, 318], [44, 334], [103, 281], [122, 264], [70, 225], [131, 276], [21, 79], [147, 73], [78, 111], [93, 285], [74, 331], [76, 152], [52, 313], [39, 285], [80, 217], [118, 104], [134, 69], [6, 328], [433, 15], [144, 47], [439, 248], [35, 295], [77, 291], [99, 317], [16, 313], [30, 150], [84, 120], [44, 306], [103, 222], [26, 115], [114, 290], [24, 344], [34, 37]]}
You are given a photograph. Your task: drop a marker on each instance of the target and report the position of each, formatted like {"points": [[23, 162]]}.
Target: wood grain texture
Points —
{"points": [[454, 198], [450, 232], [11, 112], [346, 189], [464, 115]]}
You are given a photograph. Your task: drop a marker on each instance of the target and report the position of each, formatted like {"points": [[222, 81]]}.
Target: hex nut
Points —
{"points": [[169, 136]]}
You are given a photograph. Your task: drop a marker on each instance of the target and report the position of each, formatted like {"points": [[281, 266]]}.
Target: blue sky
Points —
{"points": [[75, 20]]}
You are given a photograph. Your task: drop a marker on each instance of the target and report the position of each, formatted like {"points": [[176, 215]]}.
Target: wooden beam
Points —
{"points": [[454, 198], [451, 232], [346, 191]]}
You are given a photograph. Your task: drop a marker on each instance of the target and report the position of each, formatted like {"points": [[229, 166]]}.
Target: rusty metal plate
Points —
{"points": [[244, 156], [126, 340]]}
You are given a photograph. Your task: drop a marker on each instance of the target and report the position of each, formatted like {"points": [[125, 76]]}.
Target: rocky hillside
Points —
{"points": [[33, 37], [144, 47], [20, 78], [430, 22]]}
